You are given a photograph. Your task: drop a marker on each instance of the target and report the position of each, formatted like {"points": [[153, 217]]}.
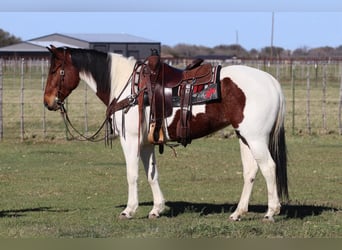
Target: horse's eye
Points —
{"points": [[54, 70]]}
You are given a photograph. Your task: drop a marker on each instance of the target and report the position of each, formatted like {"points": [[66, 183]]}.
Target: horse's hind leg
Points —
{"points": [[149, 160], [262, 155], [250, 168]]}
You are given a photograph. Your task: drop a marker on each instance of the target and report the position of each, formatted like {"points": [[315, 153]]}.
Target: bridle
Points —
{"points": [[71, 129], [114, 106], [61, 81], [136, 96]]}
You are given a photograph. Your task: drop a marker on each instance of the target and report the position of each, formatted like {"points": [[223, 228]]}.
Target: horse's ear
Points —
{"points": [[51, 48]]}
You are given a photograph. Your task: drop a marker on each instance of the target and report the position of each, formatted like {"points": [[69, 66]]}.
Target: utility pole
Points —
{"points": [[236, 37], [272, 35]]}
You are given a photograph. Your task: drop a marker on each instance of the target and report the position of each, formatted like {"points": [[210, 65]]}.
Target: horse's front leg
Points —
{"points": [[148, 158], [130, 150]]}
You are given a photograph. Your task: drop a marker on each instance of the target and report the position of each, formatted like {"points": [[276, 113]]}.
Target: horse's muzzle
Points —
{"points": [[55, 105]]}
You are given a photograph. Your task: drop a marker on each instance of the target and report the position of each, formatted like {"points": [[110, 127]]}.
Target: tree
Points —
{"points": [[167, 51], [230, 50], [338, 51], [321, 52], [301, 52], [7, 39], [274, 51], [188, 50], [253, 53]]}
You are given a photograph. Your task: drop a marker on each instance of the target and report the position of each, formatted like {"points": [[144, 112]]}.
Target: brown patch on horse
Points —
{"points": [[228, 111], [97, 65], [60, 84], [73, 61]]}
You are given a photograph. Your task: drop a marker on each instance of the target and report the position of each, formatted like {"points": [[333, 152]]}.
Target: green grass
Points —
{"points": [[50, 187], [77, 189]]}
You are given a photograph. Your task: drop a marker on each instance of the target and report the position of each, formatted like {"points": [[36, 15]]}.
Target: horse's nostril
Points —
{"points": [[46, 105]]}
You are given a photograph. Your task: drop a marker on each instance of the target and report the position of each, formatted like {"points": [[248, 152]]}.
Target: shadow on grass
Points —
{"points": [[289, 211], [24, 211]]}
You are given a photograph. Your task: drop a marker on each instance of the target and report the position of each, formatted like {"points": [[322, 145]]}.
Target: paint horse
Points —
{"points": [[251, 101]]}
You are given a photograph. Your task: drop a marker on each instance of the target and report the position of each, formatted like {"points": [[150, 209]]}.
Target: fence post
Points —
{"points": [[1, 116], [316, 74], [278, 70], [308, 120], [293, 87], [44, 109], [86, 108], [324, 98], [22, 100], [340, 103]]}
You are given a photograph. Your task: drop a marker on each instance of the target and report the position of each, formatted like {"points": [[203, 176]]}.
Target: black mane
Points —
{"points": [[97, 63]]}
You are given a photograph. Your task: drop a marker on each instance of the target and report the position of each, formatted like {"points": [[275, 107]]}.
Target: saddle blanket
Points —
{"points": [[207, 93]]}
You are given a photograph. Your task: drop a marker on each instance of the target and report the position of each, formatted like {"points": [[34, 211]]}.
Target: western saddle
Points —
{"points": [[163, 87], [167, 87]]}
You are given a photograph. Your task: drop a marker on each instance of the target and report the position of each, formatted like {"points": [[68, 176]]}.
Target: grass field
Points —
{"points": [[50, 187], [77, 189]]}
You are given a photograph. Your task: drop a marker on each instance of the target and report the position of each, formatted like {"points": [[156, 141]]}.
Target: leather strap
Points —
{"points": [[183, 126]]}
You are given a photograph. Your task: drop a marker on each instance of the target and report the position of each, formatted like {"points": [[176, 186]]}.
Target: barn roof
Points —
{"points": [[109, 38], [98, 37], [34, 46], [75, 40], [55, 43]]}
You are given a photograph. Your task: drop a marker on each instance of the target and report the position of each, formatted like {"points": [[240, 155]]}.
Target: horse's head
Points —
{"points": [[63, 78]]}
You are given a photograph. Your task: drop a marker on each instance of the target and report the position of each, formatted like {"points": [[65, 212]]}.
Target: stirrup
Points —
{"points": [[156, 137]]}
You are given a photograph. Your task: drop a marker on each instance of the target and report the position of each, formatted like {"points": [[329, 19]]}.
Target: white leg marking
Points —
{"points": [[132, 164], [250, 169], [267, 166], [149, 160]]}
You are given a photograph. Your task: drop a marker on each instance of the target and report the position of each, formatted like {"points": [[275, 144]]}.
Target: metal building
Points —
{"points": [[125, 44]]}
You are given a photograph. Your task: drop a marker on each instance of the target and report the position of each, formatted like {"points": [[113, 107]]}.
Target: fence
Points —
{"points": [[313, 92], [22, 113]]}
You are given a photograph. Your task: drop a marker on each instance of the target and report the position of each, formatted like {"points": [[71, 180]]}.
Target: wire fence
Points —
{"points": [[313, 92]]}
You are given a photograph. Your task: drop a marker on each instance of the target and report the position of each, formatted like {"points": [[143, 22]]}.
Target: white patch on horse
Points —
{"points": [[198, 109], [263, 97], [88, 78], [121, 70]]}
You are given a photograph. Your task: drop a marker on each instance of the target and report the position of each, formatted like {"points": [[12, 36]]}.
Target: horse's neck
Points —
{"points": [[89, 80], [121, 70], [118, 69]]}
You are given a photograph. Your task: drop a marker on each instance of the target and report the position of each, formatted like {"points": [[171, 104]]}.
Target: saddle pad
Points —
{"points": [[210, 92]]}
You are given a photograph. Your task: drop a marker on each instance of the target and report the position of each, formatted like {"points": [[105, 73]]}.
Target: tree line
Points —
{"points": [[7, 39], [235, 50], [224, 51]]}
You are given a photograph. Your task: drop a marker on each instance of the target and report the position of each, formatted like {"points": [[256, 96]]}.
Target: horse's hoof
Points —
{"points": [[268, 219], [232, 218], [153, 216], [124, 216]]}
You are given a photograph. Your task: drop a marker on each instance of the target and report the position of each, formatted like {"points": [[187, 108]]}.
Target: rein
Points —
{"points": [[136, 97], [114, 106], [71, 129]]}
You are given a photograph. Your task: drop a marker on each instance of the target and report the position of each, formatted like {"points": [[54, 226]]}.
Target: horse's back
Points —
{"points": [[250, 79], [264, 97]]}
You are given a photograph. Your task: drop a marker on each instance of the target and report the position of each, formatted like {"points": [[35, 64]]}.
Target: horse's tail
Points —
{"points": [[277, 147]]}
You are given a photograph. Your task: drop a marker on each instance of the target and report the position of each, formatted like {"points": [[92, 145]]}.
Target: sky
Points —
{"points": [[297, 24]]}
